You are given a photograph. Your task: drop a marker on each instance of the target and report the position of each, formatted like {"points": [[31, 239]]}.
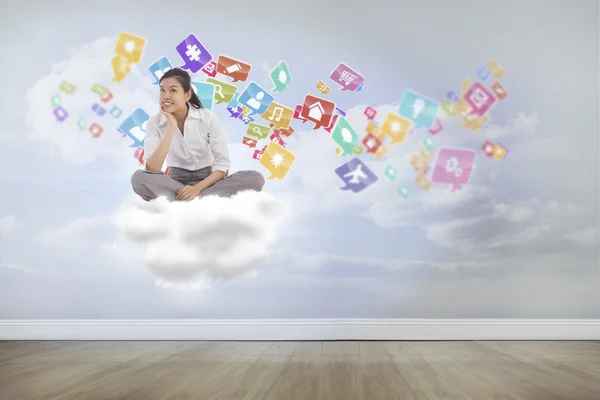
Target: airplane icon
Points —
{"points": [[357, 175]]}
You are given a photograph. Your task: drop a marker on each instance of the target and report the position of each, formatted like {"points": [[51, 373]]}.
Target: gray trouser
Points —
{"points": [[150, 185]]}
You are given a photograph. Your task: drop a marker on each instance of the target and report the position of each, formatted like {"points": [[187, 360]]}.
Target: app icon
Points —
{"points": [[235, 69], [341, 112], [139, 154], [245, 119], [60, 113], [355, 175], [278, 115], [287, 132], [210, 69], [246, 111], [453, 166], [390, 172], [495, 68], [255, 98], [380, 151], [422, 180], [116, 112], [332, 123], [448, 107], [488, 148], [346, 77], [258, 153], [249, 142], [67, 87], [258, 131], [277, 139], [421, 160], [317, 110], [280, 75], [158, 69], [235, 112], [81, 124], [358, 149], [134, 126], [130, 47], [96, 130], [499, 90], [106, 97], [466, 85], [395, 126], [121, 67], [374, 129], [436, 127], [224, 92], [360, 87], [297, 112], [419, 109], [233, 103], [474, 122], [193, 53], [403, 191], [452, 96], [371, 143], [428, 143], [277, 160], [345, 136], [55, 100], [99, 89], [483, 74], [500, 152], [479, 98], [205, 92], [98, 109], [323, 88], [462, 108], [370, 113]]}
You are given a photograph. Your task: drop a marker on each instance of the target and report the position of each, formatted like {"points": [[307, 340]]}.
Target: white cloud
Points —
{"points": [[191, 244], [86, 66], [75, 234], [520, 125], [7, 224], [585, 237]]}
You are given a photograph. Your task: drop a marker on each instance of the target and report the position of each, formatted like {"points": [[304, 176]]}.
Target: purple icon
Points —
{"points": [[60, 113], [194, 54], [356, 175], [98, 109], [235, 112], [453, 166], [245, 120], [121, 132], [346, 77], [341, 112], [452, 96]]}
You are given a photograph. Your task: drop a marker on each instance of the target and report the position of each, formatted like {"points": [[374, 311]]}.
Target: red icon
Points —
{"points": [[277, 139], [297, 112], [332, 124], [488, 148], [167, 171], [287, 132], [106, 97], [96, 130], [371, 143], [258, 153], [235, 69], [436, 127], [249, 142], [499, 90], [210, 69], [318, 110], [140, 155]]}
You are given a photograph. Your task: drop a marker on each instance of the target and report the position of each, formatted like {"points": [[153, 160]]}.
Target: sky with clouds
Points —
{"points": [[519, 241]]}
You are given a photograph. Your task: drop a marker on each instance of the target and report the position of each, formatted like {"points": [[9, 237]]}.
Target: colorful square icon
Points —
{"points": [[479, 98], [355, 175], [419, 109], [318, 110], [255, 98]]}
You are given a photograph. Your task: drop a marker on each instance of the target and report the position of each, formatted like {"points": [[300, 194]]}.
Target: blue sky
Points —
{"points": [[520, 240]]}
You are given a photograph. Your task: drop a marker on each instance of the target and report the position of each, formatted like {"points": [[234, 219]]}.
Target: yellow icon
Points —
{"points": [[279, 115], [339, 151], [67, 87], [380, 151], [466, 85], [373, 129], [462, 108], [130, 47], [475, 122], [358, 149], [277, 160], [99, 89], [448, 107], [495, 68], [422, 180], [499, 152], [396, 127], [322, 87], [121, 68], [421, 161], [245, 111]]}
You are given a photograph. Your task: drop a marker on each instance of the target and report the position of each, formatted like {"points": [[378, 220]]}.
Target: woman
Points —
{"points": [[190, 138]]}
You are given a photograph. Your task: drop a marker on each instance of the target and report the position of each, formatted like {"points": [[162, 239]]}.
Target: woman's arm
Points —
{"points": [[156, 149], [210, 180]]}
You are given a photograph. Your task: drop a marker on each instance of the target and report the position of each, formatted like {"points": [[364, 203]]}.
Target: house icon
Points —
{"points": [[316, 111]]}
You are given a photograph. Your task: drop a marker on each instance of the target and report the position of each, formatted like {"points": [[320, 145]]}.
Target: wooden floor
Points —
{"points": [[300, 370]]}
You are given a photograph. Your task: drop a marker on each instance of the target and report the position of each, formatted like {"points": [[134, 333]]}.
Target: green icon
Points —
{"points": [[258, 131], [99, 89], [428, 143], [402, 191], [224, 91], [358, 149], [390, 172], [67, 87], [81, 124], [345, 136], [280, 75], [55, 100]]}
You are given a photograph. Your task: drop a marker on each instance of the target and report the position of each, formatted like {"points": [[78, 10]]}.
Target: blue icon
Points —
{"points": [[233, 103], [419, 109], [255, 98], [359, 88], [205, 92], [116, 112], [159, 68], [134, 126], [452, 96], [98, 109], [235, 113], [483, 74], [356, 175]]}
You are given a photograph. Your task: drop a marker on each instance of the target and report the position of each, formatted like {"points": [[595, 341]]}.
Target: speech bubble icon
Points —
{"points": [[121, 68], [390, 172], [81, 124], [235, 69], [448, 107], [355, 175], [235, 112], [277, 160], [278, 115], [318, 110], [234, 103], [134, 126], [130, 47], [98, 109], [396, 127], [67, 87], [55, 100], [258, 131], [99, 89], [255, 98], [418, 109], [249, 142], [345, 76], [158, 69], [116, 112], [96, 130], [193, 53], [280, 75], [453, 166], [297, 112], [370, 113], [345, 136], [358, 149], [205, 92], [224, 91], [60, 113]]}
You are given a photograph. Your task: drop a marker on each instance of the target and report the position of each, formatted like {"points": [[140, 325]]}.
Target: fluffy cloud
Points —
{"points": [[7, 224], [191, 244]]}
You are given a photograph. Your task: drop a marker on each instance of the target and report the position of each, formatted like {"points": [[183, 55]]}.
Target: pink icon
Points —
{"points": [[277, 139], [258, 153], [138, 151], [210, 69], [370, 113], [436, 127], [479, 98], [332, 124], [453, 166], [346, 77]]}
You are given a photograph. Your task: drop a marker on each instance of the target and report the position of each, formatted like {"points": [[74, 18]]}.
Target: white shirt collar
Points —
{"points": [[193, 112]]}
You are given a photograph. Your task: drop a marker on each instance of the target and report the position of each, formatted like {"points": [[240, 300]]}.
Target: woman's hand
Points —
{"points": [[188, 193], [170, 119]]}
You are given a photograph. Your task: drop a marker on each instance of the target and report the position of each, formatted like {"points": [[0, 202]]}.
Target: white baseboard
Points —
{"points": [[301, 329]]}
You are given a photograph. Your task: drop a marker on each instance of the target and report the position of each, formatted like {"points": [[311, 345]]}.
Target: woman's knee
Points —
{"points": [[256, 180], [137, 178]]}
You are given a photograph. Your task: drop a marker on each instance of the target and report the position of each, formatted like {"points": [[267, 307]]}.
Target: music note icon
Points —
{"points": [[275, 110], [279, 115]]}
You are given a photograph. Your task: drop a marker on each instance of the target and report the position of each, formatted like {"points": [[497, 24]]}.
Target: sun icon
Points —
{"points": [[129, 46], [277, 159]]}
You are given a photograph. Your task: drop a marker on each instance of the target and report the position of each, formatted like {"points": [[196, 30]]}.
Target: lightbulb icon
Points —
{"points": [[418, 106]]}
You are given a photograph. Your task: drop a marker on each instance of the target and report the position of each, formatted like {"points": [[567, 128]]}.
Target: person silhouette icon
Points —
{"points": [[254, 102]]}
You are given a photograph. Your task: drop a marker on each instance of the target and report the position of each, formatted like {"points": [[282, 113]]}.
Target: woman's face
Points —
{"points": [[172, 96]]}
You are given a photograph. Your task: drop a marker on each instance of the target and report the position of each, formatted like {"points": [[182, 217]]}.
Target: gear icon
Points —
{"points": [[451, 164]]}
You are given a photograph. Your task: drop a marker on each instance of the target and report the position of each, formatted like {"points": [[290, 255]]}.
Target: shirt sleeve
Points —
{"points": [[151, 142], [218, 145]]}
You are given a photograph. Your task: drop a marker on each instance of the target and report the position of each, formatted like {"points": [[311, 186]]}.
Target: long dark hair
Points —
{"points": [[186, 82]]}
